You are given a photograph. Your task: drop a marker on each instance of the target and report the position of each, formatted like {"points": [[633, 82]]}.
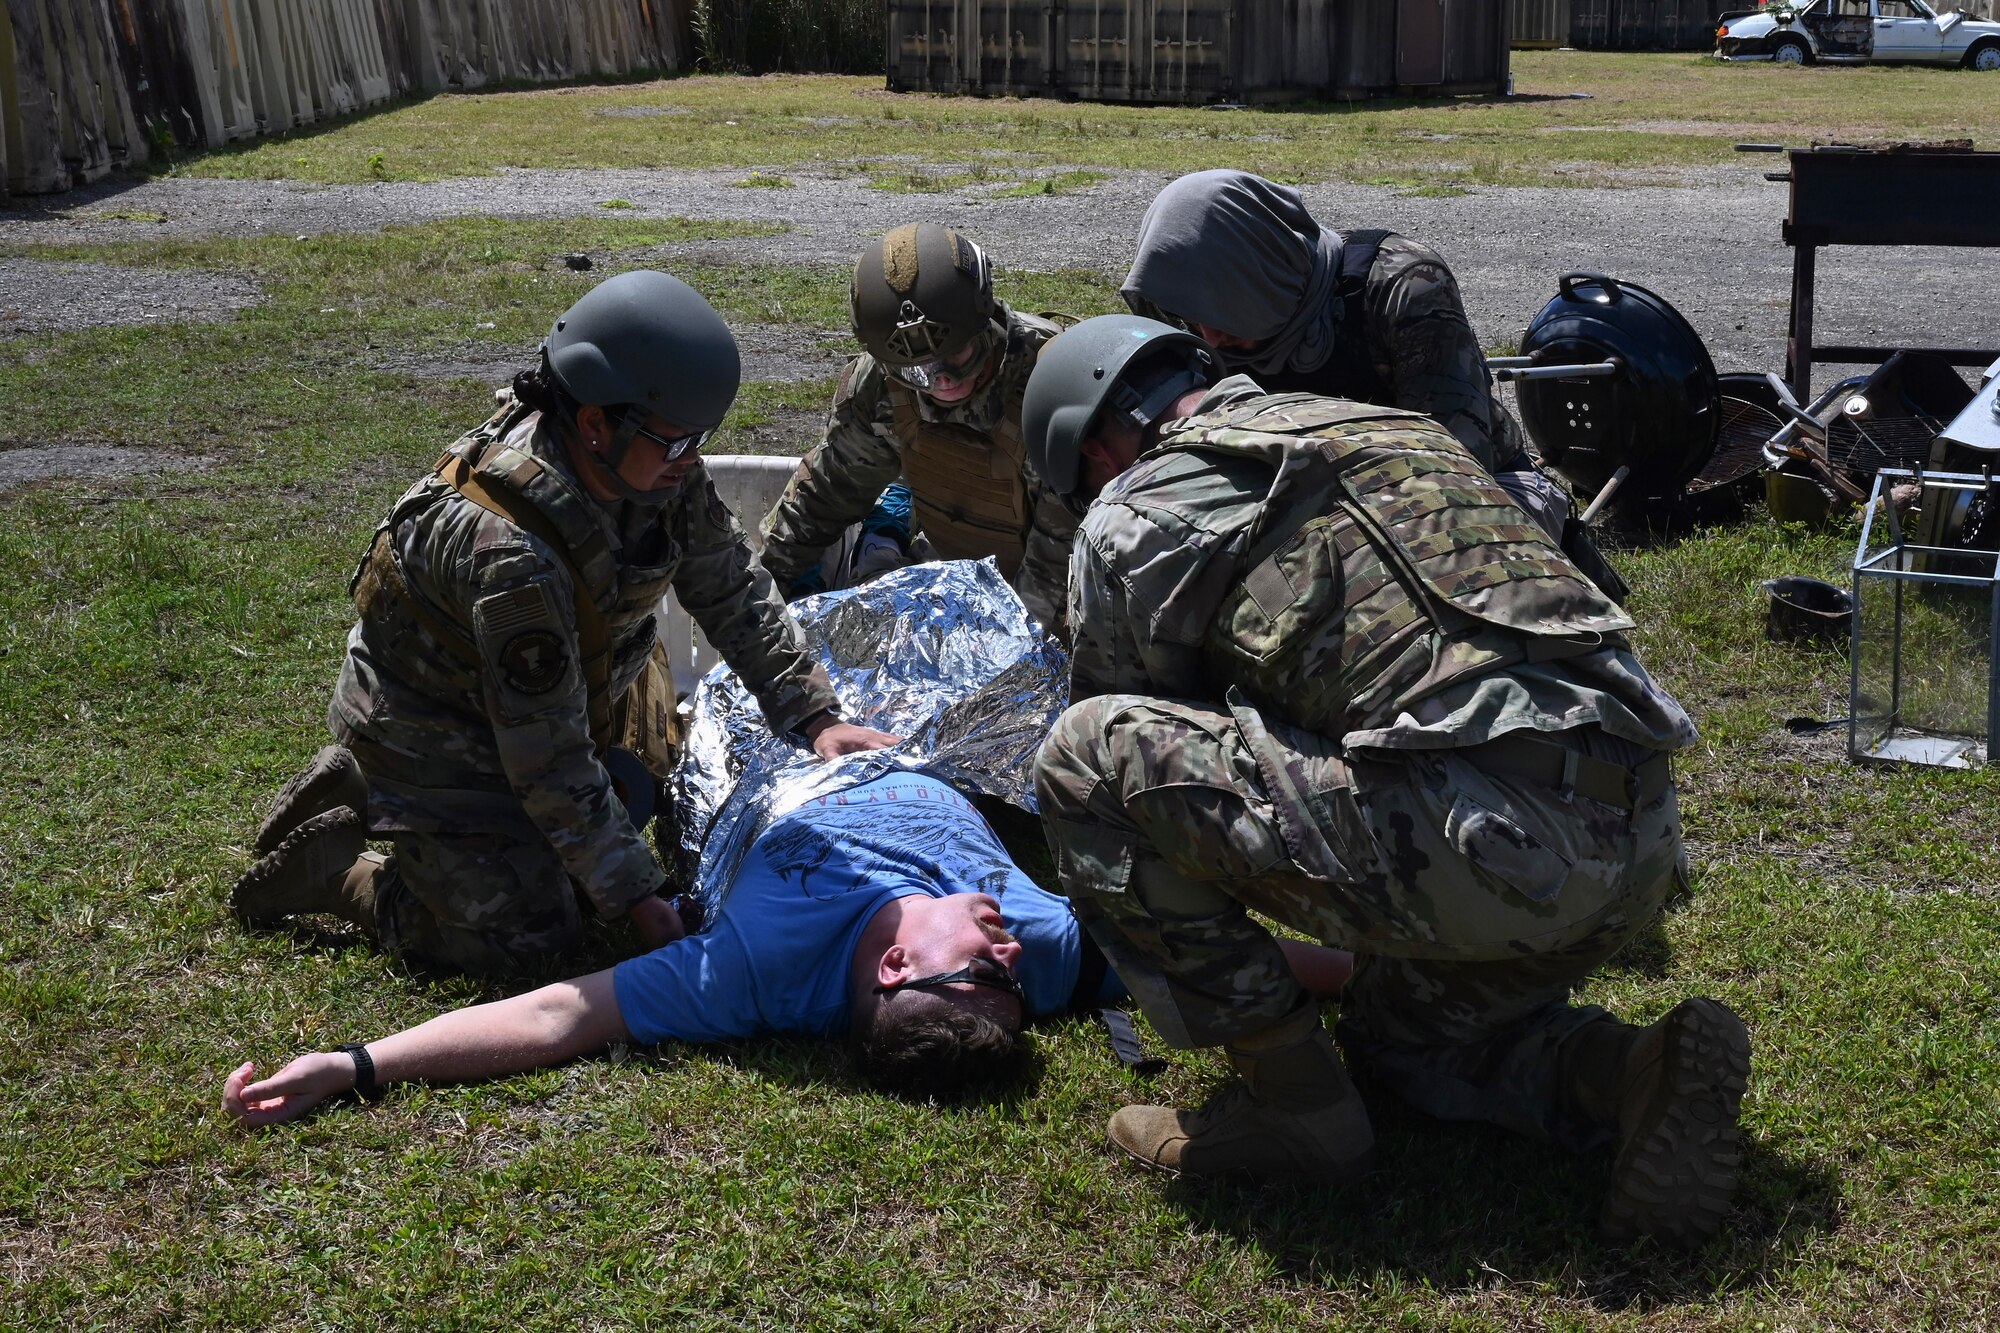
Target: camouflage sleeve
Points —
{"points": [[1417, 321], [722, 585], [523, 615], [839, 481], [1131, 587], [1043, 578]]}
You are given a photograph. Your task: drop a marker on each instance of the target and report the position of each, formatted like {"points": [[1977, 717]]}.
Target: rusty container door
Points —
{"points": [[1538, 24], [1147, 50], [1419, 43], [1190, 51], [1098, 37], [1013, 49], [926, 53], [1590, 24]]}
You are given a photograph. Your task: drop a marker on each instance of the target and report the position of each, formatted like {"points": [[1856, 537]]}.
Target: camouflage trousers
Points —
{"points": [[1473, 902], [482, 903]]}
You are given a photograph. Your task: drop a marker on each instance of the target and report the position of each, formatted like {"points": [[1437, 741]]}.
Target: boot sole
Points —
{"points": [[330, 781], [1675, 1177], [294, 878]]}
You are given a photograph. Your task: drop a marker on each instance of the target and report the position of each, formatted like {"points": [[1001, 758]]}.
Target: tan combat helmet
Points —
{"points": [[922, 295]]}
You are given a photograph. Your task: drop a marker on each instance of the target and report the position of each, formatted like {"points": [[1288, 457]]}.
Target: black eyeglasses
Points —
{"points": [[978, 972], [676, 448]]}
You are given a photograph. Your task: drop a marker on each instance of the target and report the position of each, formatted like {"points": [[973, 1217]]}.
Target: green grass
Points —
{"points": [[1646, 118], [168, 644]]}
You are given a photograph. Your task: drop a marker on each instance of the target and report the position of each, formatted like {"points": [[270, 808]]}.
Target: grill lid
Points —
{"points": [[1657, 416]]}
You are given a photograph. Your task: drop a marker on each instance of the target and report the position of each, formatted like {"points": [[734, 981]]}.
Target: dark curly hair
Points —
{"points": [[538, 387], [920, 1045]]}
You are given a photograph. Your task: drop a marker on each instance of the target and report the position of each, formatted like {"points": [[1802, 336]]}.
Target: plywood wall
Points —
{"points": [[88, 85]]}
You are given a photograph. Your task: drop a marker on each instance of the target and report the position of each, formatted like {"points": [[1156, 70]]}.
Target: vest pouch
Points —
{"points": [[1284, 594], [647, 720], [1474, 550]]}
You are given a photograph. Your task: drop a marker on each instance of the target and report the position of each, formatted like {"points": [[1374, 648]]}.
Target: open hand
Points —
{"points": [[289, 1093], [833, 738]]}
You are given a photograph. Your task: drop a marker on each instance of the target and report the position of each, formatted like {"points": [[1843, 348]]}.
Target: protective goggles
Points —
{"points": [[959, 366], [978, 972]]}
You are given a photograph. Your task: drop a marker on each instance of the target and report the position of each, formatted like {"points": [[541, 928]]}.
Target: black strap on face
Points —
{"points": [[608, 462]]}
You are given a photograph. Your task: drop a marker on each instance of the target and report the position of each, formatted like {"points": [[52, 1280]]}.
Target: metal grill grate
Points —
{"points": [[1739, 444], [1865, 447]]}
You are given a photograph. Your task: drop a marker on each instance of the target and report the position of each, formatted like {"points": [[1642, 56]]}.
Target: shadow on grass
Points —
{"points": [[1461, 1206]]}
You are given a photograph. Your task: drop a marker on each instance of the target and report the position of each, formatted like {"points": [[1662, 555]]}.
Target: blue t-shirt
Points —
{"points": [[777, 956]]}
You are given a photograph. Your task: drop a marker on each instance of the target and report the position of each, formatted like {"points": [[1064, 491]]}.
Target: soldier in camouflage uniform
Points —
{"points": [[1367, 315], [935, 399], [1327, 672], [506, 640]]}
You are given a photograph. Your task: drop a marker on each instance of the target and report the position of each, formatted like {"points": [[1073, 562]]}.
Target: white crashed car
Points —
{"points": [[1855, 32]]}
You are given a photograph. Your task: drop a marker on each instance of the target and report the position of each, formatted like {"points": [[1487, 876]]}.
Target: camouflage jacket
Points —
{"points": [[862, 452], [1355, 573], [1422, 356], [468, 708]]}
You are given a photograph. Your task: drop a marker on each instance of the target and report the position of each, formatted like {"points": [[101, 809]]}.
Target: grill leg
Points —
{"points": [[1798, 333]]}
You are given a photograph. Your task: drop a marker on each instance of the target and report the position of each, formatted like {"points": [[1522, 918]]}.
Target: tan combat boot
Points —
{"points": [[1295, 1114], [323, 865], [330, 781], [1674, 1098]]}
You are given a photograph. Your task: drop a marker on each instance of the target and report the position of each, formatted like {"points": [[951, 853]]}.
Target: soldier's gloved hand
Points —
{"points": [[832, 738], [657, 921]]}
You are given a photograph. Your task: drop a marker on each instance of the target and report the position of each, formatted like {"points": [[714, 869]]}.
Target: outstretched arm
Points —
{"points": [[542, 1027]]}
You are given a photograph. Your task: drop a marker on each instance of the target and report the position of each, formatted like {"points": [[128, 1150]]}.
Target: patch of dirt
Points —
{"points": [[789, 434], [41, 297], [28, 464]]}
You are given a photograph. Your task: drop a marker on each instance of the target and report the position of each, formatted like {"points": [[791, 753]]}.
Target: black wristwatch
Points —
{"points": [[365, 1086]]}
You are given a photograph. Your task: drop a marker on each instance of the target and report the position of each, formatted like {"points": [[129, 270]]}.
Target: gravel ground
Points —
{"points": [[37, 297], [1710, 246]]}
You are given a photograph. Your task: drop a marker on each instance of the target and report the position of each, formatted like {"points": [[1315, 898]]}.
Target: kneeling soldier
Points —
{"points": [[1325, 670], [935, 399], [506, 641]]}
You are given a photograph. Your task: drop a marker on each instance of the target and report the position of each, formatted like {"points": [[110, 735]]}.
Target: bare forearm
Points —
{"points": [[542, 1027]]}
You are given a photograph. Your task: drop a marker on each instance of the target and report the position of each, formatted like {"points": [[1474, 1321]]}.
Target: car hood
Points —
{"points": [[1757, 25]]}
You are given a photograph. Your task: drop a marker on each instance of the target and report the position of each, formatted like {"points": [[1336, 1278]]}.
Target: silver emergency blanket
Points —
{"points": [[943, 655]]}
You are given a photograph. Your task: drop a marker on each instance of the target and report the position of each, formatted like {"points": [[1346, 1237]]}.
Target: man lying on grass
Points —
{"points": [[888, 910]]}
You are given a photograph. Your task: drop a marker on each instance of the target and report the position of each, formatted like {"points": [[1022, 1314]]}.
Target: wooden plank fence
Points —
{"points": [[89, 85]]}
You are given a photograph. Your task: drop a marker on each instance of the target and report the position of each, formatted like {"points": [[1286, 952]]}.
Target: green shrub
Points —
{"points": [[799, 36]]}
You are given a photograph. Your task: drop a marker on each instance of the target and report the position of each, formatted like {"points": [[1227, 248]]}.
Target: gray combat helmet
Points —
{"points": [[1127, 364], [920, 295], [648, 341]]}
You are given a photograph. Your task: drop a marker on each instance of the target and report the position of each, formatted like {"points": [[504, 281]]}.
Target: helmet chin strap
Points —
{"points": [[606, 466]]}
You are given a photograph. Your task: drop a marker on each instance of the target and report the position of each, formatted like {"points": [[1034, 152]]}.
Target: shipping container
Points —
{"points": [[1539, 24], [1196, 51], [1643, 25]]}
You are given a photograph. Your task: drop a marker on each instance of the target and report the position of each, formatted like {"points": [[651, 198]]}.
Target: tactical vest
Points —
{"points": [[611, 600], [1384, 565], [967, 488]]}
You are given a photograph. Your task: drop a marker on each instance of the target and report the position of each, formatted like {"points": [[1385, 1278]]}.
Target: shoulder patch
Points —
{"points": [[534, 661], [507, 611]]}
